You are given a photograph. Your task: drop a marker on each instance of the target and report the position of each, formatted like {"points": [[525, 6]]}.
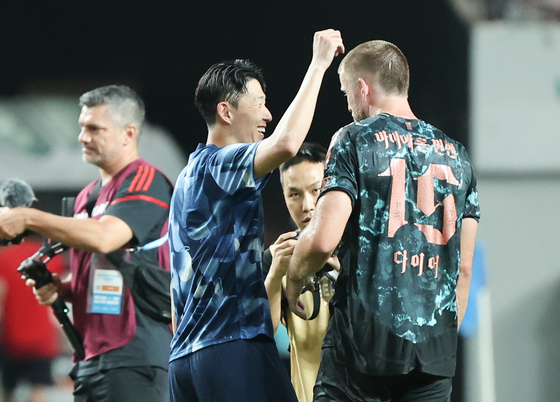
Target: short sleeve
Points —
{"points": [[472, 207], [341, 166], [143, 204], [232, 168]]}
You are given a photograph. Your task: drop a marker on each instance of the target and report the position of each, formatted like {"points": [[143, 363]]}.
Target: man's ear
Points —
{"points": [[223, 112], [130, 134], [365, 88]]}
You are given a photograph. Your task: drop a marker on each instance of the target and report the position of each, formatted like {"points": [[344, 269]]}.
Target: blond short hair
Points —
{"points": [[380, 61]]}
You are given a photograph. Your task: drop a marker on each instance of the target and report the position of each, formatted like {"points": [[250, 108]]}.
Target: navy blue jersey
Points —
{"points": [[216, 243], [395, 306]]}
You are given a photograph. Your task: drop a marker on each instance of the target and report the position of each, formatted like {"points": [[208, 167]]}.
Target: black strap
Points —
{"points": [[92, 197], [316, 301], [323, 273]]}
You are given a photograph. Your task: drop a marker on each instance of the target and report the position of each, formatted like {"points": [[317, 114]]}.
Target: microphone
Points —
{"points": [[15, 193]]}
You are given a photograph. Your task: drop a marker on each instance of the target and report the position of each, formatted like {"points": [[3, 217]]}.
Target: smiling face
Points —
{"points": [[102, 140], [250, 117], [301, 185]]}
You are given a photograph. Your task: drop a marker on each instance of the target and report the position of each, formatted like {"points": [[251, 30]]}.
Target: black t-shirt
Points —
{"points": [[410, 185], [142, 201]]}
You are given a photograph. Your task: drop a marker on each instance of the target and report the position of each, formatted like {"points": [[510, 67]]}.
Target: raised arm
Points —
{"points": [[292, 128], [468, 237]]}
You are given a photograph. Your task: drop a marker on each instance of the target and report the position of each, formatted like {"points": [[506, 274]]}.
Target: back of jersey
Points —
{"points": [[411, 186]]}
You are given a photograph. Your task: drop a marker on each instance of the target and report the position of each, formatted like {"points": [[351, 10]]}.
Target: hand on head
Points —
{"points": [[327, 45]]}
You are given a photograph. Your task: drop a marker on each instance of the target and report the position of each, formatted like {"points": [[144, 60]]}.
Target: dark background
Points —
{"points": [[162, 48]]}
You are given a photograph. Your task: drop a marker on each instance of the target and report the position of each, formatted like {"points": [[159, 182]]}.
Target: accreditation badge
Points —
{"points": [[106, 287], [107, 291]]}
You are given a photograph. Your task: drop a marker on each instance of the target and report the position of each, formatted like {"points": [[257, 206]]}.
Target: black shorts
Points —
{"points": [[240, 370], [336, 382], [36, 372], [123, 384]]}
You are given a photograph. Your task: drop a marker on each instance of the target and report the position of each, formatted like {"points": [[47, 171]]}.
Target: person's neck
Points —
{"points": [[395, 106], [108, 172], [221, 136]]}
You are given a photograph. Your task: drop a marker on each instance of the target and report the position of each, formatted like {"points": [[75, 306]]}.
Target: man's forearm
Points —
{"points": [[297, 119], [292, 127], [295, 123], [468, 238], [462, 293], [273, 288], [306, 263], [85, 234]]}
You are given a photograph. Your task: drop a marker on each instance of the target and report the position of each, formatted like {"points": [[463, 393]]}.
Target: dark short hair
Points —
{"points": [[224, 81], [309, 152], [125, 106]]}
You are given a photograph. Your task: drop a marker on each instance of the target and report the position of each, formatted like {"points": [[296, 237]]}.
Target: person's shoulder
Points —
{"points": [[141, 176], [233, 157], [149, 169], [375, 123], [239, 147], [439, 133], [213, 152], [345, 134]]}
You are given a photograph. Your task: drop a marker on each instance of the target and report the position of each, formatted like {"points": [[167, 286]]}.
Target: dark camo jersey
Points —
{"points": [[395, 307]]}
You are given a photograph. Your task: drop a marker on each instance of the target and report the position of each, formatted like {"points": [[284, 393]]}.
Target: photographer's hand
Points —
{"points": [[281, 252], [46, 295]]}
